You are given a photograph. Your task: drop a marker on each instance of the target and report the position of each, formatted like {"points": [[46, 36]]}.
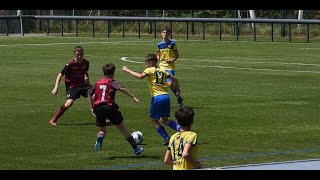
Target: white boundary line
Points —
{"points": [[263, 164], [126, 59], [251, 69]]}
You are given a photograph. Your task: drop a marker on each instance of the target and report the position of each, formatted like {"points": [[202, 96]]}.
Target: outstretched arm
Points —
{"points": [[127, 92], [133, 73]]}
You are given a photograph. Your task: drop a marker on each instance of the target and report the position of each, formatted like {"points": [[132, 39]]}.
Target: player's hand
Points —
{"points": [[54, 90], [136, 99], [92, 111]]}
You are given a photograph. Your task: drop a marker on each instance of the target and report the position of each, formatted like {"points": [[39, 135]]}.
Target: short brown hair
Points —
{"points": [[166, 28], [184, 116], [78, 48], [108, 69], [151, 57]]}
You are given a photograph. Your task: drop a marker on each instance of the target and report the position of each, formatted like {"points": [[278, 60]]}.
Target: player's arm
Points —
{"points": [[86, 75], [168, 158], [91, 94], [187, 155], [128, 93], [58, 79], [133, 73], [86, 78], [175, 56], [57, 83], [158, 54]]}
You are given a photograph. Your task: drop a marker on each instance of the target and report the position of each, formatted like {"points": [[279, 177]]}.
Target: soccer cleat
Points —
{"points": [[138, 150], [180, 101], [166, 142], [53, 122], [99, 141]]}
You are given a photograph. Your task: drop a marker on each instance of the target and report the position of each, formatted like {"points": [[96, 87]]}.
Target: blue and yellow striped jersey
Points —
{"points": [[166, 50]]}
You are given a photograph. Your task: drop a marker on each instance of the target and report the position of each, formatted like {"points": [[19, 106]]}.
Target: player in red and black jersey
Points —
{"points": [[103, 106], [76, 81]]}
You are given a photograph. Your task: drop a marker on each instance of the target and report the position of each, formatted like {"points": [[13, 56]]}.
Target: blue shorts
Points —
{"points": [[171, 72], [160, 106]]}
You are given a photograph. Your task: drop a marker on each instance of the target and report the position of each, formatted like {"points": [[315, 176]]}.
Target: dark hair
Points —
{"points": [[108, 69], [151, 57], [77, 48], [184, 115], [166, 28]]}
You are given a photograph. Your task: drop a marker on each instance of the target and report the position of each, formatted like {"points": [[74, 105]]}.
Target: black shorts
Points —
{"points": [[104, 112], [75, 92]]}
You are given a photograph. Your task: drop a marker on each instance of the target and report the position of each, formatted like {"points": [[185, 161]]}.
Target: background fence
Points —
{"points": [[201, 27]]}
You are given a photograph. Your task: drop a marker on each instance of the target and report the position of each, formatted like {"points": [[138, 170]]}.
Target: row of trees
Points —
{"points": [[274, 14]]}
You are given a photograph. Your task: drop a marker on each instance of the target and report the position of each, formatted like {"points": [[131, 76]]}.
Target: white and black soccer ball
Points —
{"points": [[137, 137]]}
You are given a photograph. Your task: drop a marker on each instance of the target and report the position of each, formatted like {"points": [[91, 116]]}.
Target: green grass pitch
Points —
{"points": [[255, 102]]}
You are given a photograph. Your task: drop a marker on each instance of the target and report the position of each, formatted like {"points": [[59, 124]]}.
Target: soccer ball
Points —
{"points": [[137, 137]]}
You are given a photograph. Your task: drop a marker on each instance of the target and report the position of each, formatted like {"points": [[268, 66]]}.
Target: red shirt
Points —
{"points": [[105, 90], [75, 72]]}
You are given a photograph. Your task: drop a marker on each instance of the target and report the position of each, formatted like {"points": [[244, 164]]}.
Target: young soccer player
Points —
{"points": [[76, 81], [160, 100], [104, 107], [167, 56], [182, 150]]}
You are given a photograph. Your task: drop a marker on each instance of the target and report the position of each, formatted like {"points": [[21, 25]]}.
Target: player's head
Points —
{"points": [[108, 69], [151, 60], [165, 32], [184, 116], [78, 52]]}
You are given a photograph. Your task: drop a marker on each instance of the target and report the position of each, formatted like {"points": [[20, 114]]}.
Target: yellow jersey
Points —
{"points": [[166, 50], [157, 81], [176, 146]]}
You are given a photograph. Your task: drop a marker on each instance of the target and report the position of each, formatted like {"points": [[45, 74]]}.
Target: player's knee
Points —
{"points": [[116, 121], [68, 104]]}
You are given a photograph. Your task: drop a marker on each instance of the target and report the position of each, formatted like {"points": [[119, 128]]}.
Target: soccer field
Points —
{"points": [[255, 102]]}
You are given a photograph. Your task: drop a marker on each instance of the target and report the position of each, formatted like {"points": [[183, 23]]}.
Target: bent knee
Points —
{"points": [[68, 103]]}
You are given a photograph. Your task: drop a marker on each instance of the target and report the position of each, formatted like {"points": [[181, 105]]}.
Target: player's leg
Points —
{"points": [[60, 111], [100, 137], [171, 123], [126, 134], [173, 88], [155, 114], [165, 107], [101, 113], [72, 94], [116, 119]]}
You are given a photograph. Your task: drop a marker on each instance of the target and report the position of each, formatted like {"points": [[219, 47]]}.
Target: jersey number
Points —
{"points": [[180, 149], [159, 77], [103, 87]]}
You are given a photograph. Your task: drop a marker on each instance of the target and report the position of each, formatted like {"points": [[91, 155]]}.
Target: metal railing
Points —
{"points": [[154, 20]]}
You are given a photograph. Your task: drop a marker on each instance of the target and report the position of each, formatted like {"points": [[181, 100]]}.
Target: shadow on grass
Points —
{"points": [[134, 156], [77, 124]]}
